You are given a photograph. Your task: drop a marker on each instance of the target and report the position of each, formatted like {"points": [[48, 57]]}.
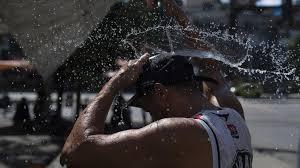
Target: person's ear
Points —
{"points": [[160, 90]]}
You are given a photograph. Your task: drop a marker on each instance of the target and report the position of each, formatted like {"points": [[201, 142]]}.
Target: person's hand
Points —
{"points": [[120, 63], [170, 7], [129, 73], [196, 43]]}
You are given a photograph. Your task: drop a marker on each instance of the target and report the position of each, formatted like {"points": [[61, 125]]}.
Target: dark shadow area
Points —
{"points": [[22, 151]]}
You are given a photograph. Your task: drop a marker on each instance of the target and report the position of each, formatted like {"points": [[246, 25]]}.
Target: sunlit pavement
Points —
{"points": [[275, 130], [274, 125]]}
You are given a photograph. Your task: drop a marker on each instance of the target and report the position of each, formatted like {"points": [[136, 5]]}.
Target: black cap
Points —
{"points": [[167, 70]]}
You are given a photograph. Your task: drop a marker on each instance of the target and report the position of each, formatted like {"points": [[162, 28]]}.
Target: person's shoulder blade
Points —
{"points": [[178, 133]]}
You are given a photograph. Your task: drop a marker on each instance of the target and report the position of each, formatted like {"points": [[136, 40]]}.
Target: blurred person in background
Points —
{"points": [[5, 104], [22, 116]]}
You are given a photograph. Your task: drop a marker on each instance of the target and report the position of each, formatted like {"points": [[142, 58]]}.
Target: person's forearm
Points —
{"points": [[91, 121], [182, 18], [95, 114], [222, 94], [191, 31]]}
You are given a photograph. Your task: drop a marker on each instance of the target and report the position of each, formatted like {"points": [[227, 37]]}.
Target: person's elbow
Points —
{"points": [[75, 155]]}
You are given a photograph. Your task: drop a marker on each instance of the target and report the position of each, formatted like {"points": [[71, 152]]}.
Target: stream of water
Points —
{"points": [[236, 51]]}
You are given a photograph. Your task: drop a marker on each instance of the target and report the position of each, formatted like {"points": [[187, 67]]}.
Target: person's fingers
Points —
{"points": [[110, 74], [138, 65], [121, 62], [171, 7], [135, 66], [131, 62], [143, 59]]}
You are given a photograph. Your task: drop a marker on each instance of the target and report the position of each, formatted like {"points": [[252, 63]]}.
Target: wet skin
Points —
{"points": [[174, 140], [177, 142], [218, 94]]}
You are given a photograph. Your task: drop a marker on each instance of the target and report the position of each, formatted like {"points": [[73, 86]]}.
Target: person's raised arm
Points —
{"points": [[191, 32], [91, 120], [220, 94]]}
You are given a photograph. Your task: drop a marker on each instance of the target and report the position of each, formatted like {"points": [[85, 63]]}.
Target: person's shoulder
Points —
{"points": [[183, 127], [184, 137], [179, 123]]}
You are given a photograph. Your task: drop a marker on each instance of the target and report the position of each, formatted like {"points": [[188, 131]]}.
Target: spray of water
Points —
{"points": [[233, 50]]}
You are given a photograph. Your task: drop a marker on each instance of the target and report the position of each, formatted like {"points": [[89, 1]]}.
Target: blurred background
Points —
{"points": [[56, 55]]}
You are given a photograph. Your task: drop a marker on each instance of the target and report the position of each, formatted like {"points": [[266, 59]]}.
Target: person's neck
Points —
{"points": [[196, 105]]}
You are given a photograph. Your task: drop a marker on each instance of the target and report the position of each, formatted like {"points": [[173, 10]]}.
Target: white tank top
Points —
{"points": [[229, 136]]}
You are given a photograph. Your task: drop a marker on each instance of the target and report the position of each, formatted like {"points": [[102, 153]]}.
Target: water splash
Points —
{"points": [[235, 51]]}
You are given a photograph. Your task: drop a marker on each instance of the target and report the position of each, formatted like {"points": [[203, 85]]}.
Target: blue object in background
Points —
{"points": [[277, 11]]}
